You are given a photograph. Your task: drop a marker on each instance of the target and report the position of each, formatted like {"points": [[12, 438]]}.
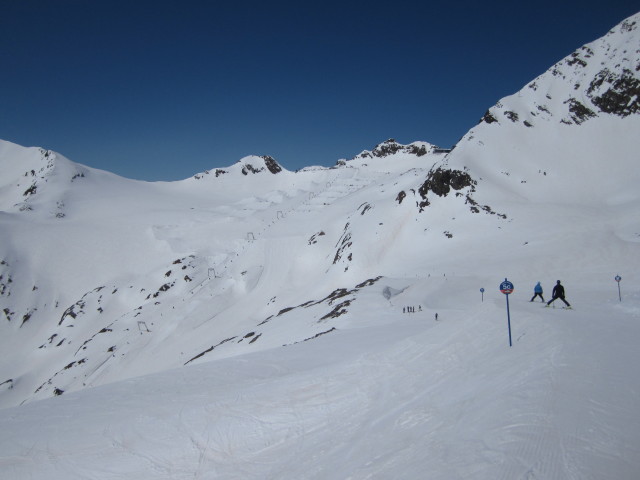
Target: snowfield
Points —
{"points": [[256, 323]]}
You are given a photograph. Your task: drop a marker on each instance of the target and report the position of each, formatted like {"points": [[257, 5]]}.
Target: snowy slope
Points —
{"points": [[249, 322]]}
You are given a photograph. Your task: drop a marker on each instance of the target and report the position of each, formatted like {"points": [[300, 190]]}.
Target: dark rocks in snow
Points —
{"points": [[31, 190], [440, 181], [338, 310], [579, 113], [576, 60], [365, 206], [368, 283], [210, 349], [71, 312], [314, 237], [513, 116], [163, 288], [391, 147], [255, 338], [27, 316], [273, 166], [488, 118], [79, 305], [217, 173], [400, 197], [344, 242], [335, 295], [622, 95], [5, 283], [285, 310], [333, 329], [250, 335]]}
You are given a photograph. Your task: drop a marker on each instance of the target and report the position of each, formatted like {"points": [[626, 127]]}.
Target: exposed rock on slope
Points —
{"points": [[246, 166], [600, 78]]}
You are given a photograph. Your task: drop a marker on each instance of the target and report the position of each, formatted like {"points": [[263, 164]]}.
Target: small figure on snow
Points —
{"points": [[436, 317], [558, 292], [537, 290]]}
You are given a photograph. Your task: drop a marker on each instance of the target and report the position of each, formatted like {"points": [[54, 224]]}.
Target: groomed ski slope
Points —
{"points": [[391, 395]]}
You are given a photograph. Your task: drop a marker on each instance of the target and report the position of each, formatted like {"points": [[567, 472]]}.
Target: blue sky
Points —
{"points": [[162, 90]]}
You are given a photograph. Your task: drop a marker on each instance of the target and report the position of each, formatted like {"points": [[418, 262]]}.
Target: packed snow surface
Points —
{"points": [[255, 323]]}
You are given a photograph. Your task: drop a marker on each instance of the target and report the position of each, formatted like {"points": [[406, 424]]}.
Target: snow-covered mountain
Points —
{"points": [[252, 322]]}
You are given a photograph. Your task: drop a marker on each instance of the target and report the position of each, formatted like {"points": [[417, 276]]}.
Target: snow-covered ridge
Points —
{"points": [[564, 137], [391, 147], [246, 166], [30, 177], [600, 78]]}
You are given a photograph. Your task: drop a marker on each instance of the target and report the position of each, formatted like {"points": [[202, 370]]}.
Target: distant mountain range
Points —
{"points": [[103, 278]]}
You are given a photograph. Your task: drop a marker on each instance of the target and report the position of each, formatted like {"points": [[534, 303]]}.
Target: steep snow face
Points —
{"points": [[599, 79], [559, 138]]}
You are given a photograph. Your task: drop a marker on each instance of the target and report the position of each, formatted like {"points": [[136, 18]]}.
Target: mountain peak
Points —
{"points": [[600, 78], [29, 172], [250, 165], [391, 147]]}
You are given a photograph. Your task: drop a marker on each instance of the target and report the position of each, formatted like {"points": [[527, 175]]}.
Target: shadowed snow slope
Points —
{"points": [[252, 322]]}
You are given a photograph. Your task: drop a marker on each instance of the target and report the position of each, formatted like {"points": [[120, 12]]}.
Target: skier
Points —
{"points": [[558, 292], [537, 290]]}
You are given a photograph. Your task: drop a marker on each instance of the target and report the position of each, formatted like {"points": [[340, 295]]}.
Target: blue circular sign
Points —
{"points": [[506, 287], [618, 278], [482, 290]]}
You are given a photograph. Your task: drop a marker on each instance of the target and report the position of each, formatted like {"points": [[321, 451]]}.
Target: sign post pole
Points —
{"points": [[617, 279], [506, 287]]}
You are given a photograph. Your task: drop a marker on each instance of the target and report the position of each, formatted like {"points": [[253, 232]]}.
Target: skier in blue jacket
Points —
{"points": [[537, 290]]}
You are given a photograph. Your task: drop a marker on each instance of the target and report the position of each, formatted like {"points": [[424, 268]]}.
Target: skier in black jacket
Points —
{"points": [[558, 292]]}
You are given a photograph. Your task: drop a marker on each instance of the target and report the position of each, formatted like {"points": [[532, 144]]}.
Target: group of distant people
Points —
{"points": [[411, 309], [557, 293]]}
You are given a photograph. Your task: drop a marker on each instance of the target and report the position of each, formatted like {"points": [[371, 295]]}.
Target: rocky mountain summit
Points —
{"points": [[600, 78]]}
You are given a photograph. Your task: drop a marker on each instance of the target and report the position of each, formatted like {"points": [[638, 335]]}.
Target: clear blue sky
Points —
{"points": [[162, 90]]}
